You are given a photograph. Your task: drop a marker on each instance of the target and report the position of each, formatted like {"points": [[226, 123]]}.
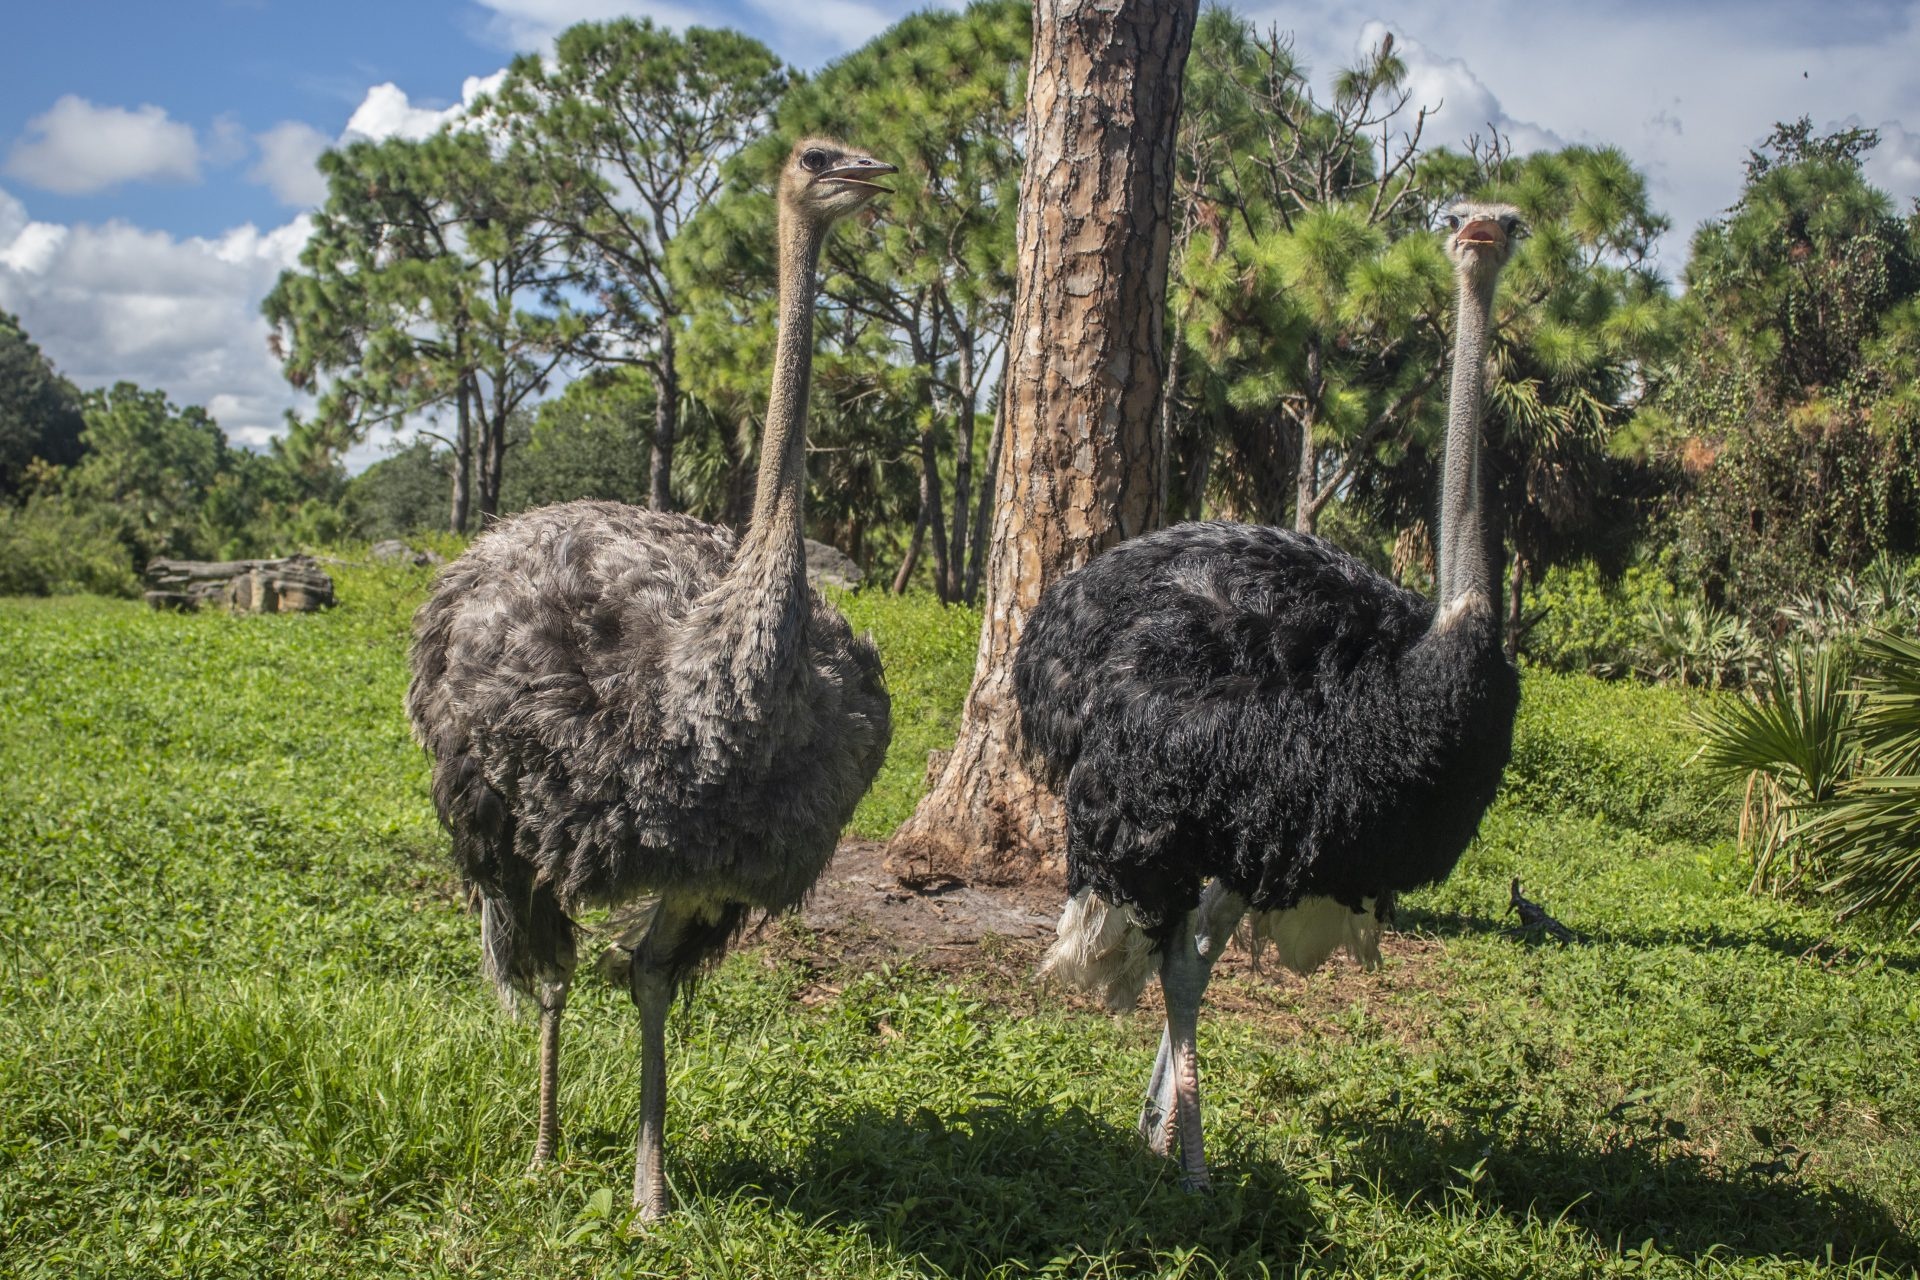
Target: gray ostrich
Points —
{"points": [[1244, 718], [625, 704]]}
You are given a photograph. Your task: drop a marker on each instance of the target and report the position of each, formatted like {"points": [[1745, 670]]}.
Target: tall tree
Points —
{"points": [[1314, 307], [940, 95], [39, 410], [432, 282], [1078, 471], [1789, 406], [629, 126], [150, 463]]}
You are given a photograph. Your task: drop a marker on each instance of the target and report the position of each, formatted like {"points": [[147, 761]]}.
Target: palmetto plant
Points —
{"points": [[1694, 642], [1792, 739], [1868, 833]]}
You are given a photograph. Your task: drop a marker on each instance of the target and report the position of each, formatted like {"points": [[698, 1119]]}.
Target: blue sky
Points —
{"points": [[156, 158]]}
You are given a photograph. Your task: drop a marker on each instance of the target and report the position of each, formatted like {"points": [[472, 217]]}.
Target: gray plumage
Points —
{"points": [[623, 704]]}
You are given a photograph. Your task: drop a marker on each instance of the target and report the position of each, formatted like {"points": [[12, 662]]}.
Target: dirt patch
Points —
{"points": [[861, 916]]}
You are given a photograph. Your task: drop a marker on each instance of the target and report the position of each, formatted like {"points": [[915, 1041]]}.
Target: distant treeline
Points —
{"points": [[573, 289]]}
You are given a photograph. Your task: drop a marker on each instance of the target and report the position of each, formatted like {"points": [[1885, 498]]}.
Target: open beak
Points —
{"points": [[859, 173], [1482, 231]]}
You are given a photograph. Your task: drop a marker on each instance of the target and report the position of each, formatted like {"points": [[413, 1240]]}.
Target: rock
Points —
{"points": [[832, 565], [296, 584], [394, 550]]}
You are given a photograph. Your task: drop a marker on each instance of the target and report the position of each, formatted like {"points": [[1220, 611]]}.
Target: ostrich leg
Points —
{"points": [[553, 1003], [1210, 926], [653, 992]]}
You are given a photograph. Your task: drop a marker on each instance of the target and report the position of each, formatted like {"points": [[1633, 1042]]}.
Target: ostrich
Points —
{"points": [[1243, 718], [624, 704]]}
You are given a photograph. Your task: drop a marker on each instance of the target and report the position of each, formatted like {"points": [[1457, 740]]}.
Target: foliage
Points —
{"points": [[431, 283], [39, 410], [52, 546], [241, 1032], [1885, 596], [629, 126], [590, 442], [149, 464], [1695, 642], [1788, 409], [403, 493], [1589, 623], [1868, 833], [915, 298], [1791, 744]]}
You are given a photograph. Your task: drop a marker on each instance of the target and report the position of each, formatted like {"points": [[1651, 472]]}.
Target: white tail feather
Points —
{"points": [[1101, 950], [1304, 936]]}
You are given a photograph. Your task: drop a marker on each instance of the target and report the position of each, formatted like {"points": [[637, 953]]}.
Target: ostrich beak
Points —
{"points": [[1482, 231], [860, 173]]}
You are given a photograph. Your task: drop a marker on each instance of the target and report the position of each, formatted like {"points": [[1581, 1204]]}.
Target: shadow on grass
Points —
{"points": [[1642, 1182], [1789, 945], [1026, 1184]]}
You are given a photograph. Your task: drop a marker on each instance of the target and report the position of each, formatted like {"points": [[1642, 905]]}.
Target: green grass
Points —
{"points": [[240, 1032]]}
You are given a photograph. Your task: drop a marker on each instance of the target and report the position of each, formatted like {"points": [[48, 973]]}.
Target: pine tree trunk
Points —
{"points": [[912, 558], [462, 500], [493, 454], [983, 515], [1078, 468], [1307, 465], [962, 474], [666, 422], [930, 516]]}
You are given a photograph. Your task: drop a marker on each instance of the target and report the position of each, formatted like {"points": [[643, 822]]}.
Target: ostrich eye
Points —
{"points": [[813, 160], [1513, 226], [1452, 220]]}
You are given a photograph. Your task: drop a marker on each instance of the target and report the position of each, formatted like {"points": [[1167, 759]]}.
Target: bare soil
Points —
{"points": [[992, 936]]}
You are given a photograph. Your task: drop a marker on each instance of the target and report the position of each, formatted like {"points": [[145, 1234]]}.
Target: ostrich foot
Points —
{"points": [[1157, 1113]]}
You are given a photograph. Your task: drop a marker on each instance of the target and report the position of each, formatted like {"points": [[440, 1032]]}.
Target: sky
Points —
{"points": [[156, 160]]}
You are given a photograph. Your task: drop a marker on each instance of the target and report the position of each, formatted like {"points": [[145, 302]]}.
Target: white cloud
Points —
{"points": [[532, 24], [1459, 104], [824, 27], [286, 165], [116, 301], [76, 148], [387, 111]]}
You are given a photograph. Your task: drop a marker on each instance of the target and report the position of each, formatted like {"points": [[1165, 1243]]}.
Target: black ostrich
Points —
{"points": [[1249, 718], [623, 704]]}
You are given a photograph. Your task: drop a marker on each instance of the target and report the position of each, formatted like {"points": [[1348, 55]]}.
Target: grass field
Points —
{"points": [[241, 1032]]}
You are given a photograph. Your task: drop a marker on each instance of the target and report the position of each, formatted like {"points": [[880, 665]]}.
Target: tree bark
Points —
{"points": [[462, 499], [962, 472], [666, 422], [1307, 473], [1078, 467], [983, 516], [930, 516], [912, 557], [493, 451]]}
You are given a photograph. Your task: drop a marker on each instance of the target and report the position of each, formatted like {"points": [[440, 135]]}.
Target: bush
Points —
{"points": [[1589, 624], [54, 546], [1618, 752]]}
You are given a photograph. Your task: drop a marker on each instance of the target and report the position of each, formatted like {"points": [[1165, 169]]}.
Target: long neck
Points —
{"points": [[1463, 566], [774, 534], [741, 643]]}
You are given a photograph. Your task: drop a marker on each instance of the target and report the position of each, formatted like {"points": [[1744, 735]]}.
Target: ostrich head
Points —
{"points": [[824, 180], [1480, 237]]}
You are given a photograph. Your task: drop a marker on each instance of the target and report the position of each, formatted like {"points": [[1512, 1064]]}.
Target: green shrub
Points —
{"points": [[54, 546], [1616, 751], [1588, 623]]}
